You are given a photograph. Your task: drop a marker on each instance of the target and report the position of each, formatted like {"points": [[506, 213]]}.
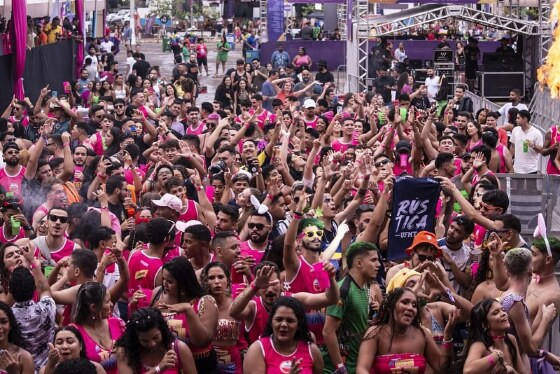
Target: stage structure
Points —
{"points": [[359, 28]]}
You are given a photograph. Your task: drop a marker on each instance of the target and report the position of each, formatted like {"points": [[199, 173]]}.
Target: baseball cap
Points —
{"points": [[182, 225], [309, 103], [403, 145], [213, 116], [424, 237], [10, 145], [170, 201]]}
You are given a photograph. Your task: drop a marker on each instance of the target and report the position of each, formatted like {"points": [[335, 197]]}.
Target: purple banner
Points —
{"points": [[437, 1], [275, 18], [314, 2]]}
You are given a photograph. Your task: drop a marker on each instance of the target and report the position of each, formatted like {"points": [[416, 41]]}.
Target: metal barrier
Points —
{"points": [[529, 195], [480, 102], [545, 111], [339, 69]]}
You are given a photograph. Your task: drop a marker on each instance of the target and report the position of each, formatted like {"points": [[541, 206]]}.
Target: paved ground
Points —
{"points": [[152, 48]]}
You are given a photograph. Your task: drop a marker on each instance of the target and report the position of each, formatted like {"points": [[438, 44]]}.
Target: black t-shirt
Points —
{"points": [[141, 68], [421, 102], [380, 84], [324, 77], [471, 56]]}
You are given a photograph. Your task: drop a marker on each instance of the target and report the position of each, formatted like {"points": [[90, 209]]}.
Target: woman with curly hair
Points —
{"points": [[285, 345], [10, 258], [215, 279], [484, 286], [13, 358], [68, 344], [91, 314], [490, 346], [397, 339], [190, 313], [149, 347]]}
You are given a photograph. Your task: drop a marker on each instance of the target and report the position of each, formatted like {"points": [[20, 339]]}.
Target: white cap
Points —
{"points": [[182, 225], [170, 201], [309, 103]]}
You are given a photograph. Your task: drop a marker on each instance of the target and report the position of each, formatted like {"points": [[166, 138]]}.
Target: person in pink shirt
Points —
{"points": [[263, 116], [284, 347], [310, 119], [202, 55], [194, 125], [55, 245], [12, 174], [347, 139], [260, 226]]}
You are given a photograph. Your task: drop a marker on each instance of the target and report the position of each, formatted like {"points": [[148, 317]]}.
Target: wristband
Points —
{"points": [[99, 175], [157, 369], [66, 144], [491, 359], [447, 345], [199, 188], [254, 287], [32, 265], [297, 216]]}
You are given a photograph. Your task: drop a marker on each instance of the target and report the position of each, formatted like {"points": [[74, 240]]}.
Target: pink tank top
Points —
{"points": [[302, 60], [246, 250], [196, 131], [554, 138], [12, 183], [399, 363], [277, 363], [98, 146], [261, 118], [502, 166], [256, 328], [66, 250], [309, 278], [4, 239], [143, 273], [191, 213], [177, 322], [312, 123], [99, 354]]}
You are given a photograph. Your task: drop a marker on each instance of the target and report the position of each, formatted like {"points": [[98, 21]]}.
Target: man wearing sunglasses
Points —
{"points": [[55, 246], [255, 246], [423, 251]]}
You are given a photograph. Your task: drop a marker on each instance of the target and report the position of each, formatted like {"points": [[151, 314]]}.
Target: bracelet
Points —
{"points": [[157, 369], [254, 287], [339, 366], [32, 265], [27, 227], [66, 144], [99, 175], [199, 188], [297, 216], [491, 359]]}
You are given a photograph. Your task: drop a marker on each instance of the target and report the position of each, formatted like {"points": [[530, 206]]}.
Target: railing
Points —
{"points": [[340, 69], [480, 102], [545, 111]]}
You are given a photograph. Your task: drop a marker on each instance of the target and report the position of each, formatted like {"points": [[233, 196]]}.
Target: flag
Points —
{"points": [[413, 210]]}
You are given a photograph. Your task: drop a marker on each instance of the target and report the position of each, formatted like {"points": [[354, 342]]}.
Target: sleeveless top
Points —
{"points": [[143, 273], [12, 183], [554, 138], [246, 250], [399, 363], [502, 165], [94, 352], [312, 123], [229, 356], [120, 94], [309, 278], [255, 329], [196, 131], [277, 363], [508, 302], [178, 324], [190, 213], [98, 146], [174, 370], [4, 239], [437, 330]]}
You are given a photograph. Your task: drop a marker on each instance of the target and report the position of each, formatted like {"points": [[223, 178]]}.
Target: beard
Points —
{"points": [[258, 238], [12, 162], [310, 247]]}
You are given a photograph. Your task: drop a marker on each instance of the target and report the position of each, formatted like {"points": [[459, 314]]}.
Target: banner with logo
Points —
{"points": [[413, 210], [275, 19]]}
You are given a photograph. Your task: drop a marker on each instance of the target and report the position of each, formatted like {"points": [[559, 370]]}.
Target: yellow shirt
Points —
{"points": [[52, 34]]}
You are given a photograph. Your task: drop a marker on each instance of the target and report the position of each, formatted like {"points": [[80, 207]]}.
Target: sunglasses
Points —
{"points": [[118, 106], [381, 163], [423, 258], [310, 234], [258, 226], [54, 218]]}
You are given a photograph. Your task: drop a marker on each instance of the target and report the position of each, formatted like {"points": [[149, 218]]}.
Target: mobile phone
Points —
{"points": [[54, 93], [66, 86], [338, 109]]}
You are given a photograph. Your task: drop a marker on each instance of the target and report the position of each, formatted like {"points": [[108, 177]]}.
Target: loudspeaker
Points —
{"points": [[498, 85]]}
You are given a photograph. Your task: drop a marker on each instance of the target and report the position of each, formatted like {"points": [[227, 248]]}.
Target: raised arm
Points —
{"points": [[290, 258]]}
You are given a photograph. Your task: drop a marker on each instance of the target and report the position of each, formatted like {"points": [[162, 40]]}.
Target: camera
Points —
{"points": [[217, 168], [254, 165]]}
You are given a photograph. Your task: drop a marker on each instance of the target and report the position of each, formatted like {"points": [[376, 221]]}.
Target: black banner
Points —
{"points": [[414, 210], [49, 64]]}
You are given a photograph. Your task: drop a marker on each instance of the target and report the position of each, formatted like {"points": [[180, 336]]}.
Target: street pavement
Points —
{"points": [[152, 48]]}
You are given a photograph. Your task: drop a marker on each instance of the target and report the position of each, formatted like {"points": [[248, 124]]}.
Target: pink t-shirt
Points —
{"points": [[277, 363], [246, 250], [309, 278]]}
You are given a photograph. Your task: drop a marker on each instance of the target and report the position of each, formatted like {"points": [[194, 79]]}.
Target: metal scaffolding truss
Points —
{"points": [[362, 39], [430, 13]]}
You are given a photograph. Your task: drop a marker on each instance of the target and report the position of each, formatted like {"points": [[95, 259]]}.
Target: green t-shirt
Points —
{"points": [[221, 53], [353, 311]]}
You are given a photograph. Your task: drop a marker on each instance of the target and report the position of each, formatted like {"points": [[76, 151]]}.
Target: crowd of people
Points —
{"points": [[144, 231]]}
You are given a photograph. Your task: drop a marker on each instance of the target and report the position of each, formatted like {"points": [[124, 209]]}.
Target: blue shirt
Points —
{"points": [[280, 59], [268, 90]]}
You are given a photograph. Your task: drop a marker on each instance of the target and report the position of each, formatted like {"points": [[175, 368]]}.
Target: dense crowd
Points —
{"points": [[144, 231]]}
